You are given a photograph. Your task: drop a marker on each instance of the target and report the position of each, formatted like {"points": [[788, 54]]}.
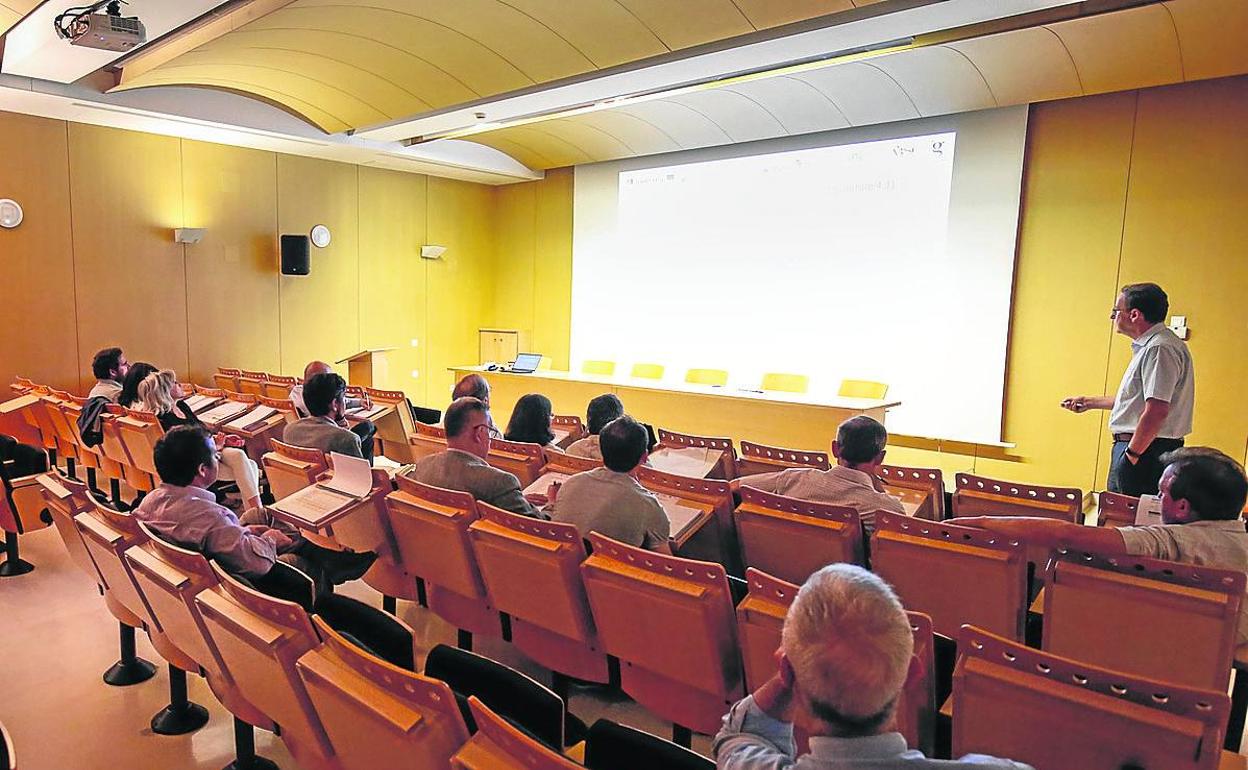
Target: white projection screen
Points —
{"points": [[883, 253]]}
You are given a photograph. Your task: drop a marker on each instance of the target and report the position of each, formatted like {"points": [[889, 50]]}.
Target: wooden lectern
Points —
{"points": [[366, 367]]}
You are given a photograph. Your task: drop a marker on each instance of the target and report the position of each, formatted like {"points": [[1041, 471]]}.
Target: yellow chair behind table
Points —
{"points": [[955, 574], [1049, 711], [290, 468], [647, 371], [792, 538], [600, 368], [862, 389], [1133, 614], [378, 715], [639, 598], [499, 745], [785, 383], [531, 570], [707, 376], [760, 619]]}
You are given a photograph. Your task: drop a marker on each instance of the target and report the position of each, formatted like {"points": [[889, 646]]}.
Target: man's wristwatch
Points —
{"points": [[1132, 455]]}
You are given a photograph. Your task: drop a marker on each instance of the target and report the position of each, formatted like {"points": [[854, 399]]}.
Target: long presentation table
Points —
{"points": [[790, 420]]}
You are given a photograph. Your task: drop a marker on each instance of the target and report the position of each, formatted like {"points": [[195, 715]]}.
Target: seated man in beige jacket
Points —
{"points": [[462, 467], [325, 429]]}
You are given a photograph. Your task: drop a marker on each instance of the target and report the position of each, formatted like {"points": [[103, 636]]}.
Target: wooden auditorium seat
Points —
{"points": [[283, 405], [1115, 510], [66, 442], [65, 499], [791, 538], [290, 468], [725, 466], [928, 480], [428, 440], [139, 431], [567, 428], [640, 599], [21, 511], [170, 578], [260, 639], [712, 377], [1051, 711], [599, 368], [760, 458], [531, 571], [115, 449], [395, 424], [252, 383], [523, 460], [862, 389], [647, 371], [277, 386], [957, 575], [716, 540], [564, 463], [226, 379], [499, 745], [378, 715], [785, 383], [982, 496], [430, 527], [760, 620], [1146, 617]]}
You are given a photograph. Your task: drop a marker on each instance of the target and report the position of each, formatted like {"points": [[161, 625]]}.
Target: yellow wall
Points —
{"points": [[1139, 185], [94, 263]]}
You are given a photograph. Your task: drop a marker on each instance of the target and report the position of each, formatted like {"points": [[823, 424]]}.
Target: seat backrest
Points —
{"points": [[522, 459], [570, 424], [707, 376], [498, 745], [1131, 614], [378, 715], [791, 538], [139, 433], [639, 600], [226, 379], [785, 383], [760, 621], [277, 386], [531, 571], [601, 368], [1115, 510], [509, 693], [66, 436], [760, 458], [281, 404], [929, 480], [647, 371], [112, 445], [260, 638], [612, 746], [715, 493], [65, 498], [253, 386], [562, 462], [862, 389], [429, 440], [108, 534], [1048, 711], [726, 468], [290, 468], [982, 496], [955, 574], [430, 527]]}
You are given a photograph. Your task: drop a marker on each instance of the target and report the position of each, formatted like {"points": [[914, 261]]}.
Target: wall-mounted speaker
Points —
{"points": [[295, 255]]}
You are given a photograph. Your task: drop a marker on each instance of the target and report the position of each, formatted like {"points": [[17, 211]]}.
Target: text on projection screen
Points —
{"points": [[829, 262]]}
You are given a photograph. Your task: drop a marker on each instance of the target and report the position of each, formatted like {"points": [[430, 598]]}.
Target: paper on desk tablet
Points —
{"points": [[259, 414], [679, 514], [226, 411], [313, 504], [694, 462], [542, 485], [352, 475]]}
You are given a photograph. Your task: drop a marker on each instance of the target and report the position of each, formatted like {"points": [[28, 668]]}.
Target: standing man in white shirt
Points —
{"points": [[1153, 409]]}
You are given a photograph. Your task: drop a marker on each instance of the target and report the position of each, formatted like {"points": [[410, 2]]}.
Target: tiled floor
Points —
{"points": [[56, 640]]}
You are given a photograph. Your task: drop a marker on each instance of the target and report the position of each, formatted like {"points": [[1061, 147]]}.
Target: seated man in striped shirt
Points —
{"points": [[852, 482]]}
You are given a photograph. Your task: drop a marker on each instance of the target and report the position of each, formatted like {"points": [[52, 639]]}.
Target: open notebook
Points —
{"points": [[694, 462], [223, 413], [312, 506]]}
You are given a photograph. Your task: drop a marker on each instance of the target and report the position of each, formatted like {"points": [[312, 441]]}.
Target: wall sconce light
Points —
{"points": [[11, 214], [432, 252], [189, 234], [320, 236]]}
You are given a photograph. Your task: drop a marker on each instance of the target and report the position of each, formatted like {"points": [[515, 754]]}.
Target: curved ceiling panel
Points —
{"points": [[641, 135], [768, 13], [686, 126], [864, 93], [938, 80], [742, 118], [1026, 66], [796, 104], [1135, 48], [1207, 48]]}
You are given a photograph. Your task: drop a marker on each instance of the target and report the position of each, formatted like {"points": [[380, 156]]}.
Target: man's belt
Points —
{"points": [[1123, 436]]}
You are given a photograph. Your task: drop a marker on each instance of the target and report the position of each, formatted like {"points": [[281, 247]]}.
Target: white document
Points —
{"points": [[352, 475], [362, 413], [1149, 512], [679, 514], [694, 462], [224, 413], [252, 418], [542, 485], [199, 402], [560, 436], [352, 480]]}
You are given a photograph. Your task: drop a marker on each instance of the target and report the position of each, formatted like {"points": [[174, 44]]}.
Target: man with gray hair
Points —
{"points": [[476, 386], [845, 656], [859, 450]]}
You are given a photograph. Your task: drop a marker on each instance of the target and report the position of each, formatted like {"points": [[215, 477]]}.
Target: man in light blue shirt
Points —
{"points": [[845, 657]]}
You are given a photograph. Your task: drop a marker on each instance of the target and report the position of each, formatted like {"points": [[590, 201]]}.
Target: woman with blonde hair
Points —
{"points": [[160, 394]]}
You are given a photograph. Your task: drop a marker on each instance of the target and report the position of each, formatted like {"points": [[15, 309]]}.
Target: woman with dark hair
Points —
{"points": [[530, 420], [130, 386]]}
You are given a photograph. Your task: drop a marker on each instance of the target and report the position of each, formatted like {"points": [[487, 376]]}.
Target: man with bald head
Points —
{"points": [[476, 386], [846, 653], [365, 429]]}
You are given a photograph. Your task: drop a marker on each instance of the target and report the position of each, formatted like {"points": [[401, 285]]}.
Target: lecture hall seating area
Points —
{"points": [[519, 624]]}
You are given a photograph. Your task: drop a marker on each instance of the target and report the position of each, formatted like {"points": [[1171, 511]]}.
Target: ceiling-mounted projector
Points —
{"points": [[88, 27]]}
